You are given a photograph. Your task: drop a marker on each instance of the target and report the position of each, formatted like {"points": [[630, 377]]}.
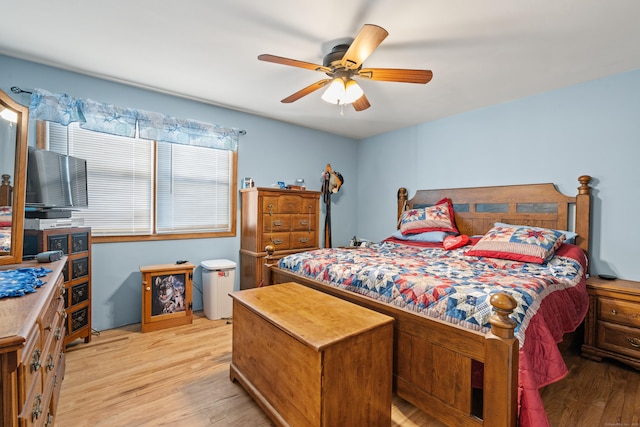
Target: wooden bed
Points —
{"points": [[442, 385]]}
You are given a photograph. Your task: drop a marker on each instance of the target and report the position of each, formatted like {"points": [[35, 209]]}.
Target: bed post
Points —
{"points": [[500, 386], [402, 203], [267, 277], [583, 214]]}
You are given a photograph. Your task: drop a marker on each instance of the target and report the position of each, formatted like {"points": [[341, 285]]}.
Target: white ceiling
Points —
{"points": [[481, 52]]}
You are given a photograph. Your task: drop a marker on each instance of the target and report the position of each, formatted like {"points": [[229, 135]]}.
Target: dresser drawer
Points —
{"points": [[303, 222], [301, 240], [58, 242], [619, 311], [282, 204], [79, 267], [279, 240], [276, 222], [77, 320], [32, 409], [78, 293], [30, 364], [619, 339], [79, 242]]}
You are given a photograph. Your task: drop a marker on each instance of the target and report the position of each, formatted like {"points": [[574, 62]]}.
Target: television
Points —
{"points": [[55, 183]]}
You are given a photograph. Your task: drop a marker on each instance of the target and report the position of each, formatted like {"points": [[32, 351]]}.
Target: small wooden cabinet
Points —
{"points": [[285, 219], [311, 359], [612, 326], [166, 296], [75, 243], [32, 364]]}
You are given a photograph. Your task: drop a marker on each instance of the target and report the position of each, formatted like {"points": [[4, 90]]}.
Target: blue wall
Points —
{"points": [[271, 151], [587, 129]]}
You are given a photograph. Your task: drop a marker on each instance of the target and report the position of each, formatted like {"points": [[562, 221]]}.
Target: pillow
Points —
{"points": [[439, 217], [527, 244], [5, 216], [429, 236], [569, 236]]}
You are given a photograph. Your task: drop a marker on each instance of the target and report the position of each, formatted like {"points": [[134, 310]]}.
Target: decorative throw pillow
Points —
{"points": [[439, 217], [453, 242], [527, 244], [569, 236]]}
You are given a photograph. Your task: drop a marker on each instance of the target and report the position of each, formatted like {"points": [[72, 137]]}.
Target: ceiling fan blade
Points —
{"points": [[306, 91], [361, 103], [293, 63], [367, 40], [396, 75]]}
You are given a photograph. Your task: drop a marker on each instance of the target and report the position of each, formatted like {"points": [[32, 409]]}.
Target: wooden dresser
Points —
{"points": [[32, 352], [285, 219], [311, 359], [612, 326], [75, 242]]}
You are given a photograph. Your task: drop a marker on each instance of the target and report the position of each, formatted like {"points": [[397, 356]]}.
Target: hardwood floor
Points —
{"points": [[180, 377]]}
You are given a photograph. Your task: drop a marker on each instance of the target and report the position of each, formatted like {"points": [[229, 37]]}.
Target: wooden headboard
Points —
{"points": [[6, 190], [539, 205]]}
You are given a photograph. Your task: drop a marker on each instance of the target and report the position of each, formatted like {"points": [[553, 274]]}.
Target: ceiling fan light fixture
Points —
{"points": [[340, 93]]}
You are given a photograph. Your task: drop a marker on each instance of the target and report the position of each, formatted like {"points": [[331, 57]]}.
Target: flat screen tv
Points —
{"points": [[55, 181]]}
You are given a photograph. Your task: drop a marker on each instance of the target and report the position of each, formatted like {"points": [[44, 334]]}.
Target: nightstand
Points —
{"points": [[612, 326]]}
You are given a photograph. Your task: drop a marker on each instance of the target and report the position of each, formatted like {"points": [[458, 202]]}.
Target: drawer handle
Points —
{"points": [[35, 360], [635, 342], [614, 312], [303, 240], [50, 363], [36, 410], [276, 241], [304, 222], [49, 421], [277, 223], [58, 333]]}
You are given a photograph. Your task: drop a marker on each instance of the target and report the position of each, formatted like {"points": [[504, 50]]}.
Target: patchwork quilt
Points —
{"points": [[456, 288]]}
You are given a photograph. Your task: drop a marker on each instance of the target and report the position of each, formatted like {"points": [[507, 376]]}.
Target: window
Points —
{"points": [[141, 189]]}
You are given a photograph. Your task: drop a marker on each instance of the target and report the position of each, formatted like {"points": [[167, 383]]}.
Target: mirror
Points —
{"points": [[14, 120]]}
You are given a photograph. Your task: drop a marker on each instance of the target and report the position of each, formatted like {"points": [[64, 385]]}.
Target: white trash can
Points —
{"points": [[218, 278]]}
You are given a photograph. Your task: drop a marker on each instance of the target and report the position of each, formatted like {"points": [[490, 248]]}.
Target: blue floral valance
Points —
{"points": [[115, 120]]}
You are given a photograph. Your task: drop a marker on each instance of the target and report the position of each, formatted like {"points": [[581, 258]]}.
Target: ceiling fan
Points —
{"points": [[343, 63]]}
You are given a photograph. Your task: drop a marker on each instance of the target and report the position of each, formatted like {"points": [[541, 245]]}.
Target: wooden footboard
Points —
{"points": [[434, 361]]}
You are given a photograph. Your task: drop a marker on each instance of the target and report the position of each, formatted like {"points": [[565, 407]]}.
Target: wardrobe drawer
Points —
{"points": [[619, 311], [303, 222], [282, 204], [278, 240], [276, 222], [301, 240]]}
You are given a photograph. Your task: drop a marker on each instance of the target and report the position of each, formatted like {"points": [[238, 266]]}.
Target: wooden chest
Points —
{"points": [[612, 326], [286, 219], [310, 359]]}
